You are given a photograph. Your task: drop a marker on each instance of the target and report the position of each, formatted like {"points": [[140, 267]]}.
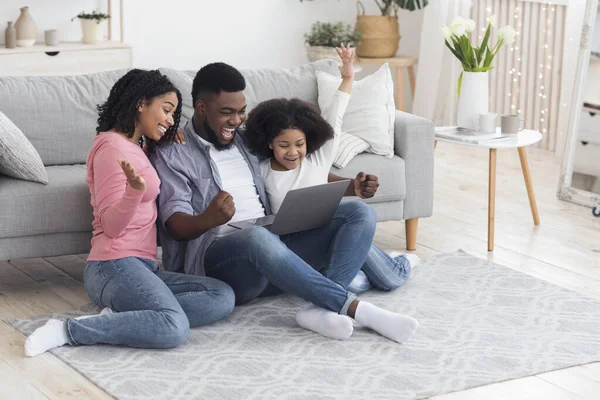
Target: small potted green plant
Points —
{"points": [[324, 37], [92, 26], [380, 33]]}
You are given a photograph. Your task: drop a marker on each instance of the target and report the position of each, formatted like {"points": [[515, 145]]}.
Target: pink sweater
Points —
{"points": [[124, 218]]}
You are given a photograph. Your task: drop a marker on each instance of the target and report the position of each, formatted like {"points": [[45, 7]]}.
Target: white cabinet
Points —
{"points": [[64, 59], [587, 147]]}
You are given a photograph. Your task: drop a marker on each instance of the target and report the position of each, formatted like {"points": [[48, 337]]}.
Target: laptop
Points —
{"points": [[302, 209]]}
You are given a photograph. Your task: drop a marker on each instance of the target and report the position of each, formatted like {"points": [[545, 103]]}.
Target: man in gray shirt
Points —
{"points": [[201, 179]]}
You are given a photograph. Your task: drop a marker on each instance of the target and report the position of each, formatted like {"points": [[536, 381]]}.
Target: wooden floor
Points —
{"points": [[564, 250]]}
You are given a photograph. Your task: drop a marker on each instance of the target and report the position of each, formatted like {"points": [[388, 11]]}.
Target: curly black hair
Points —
{"points": [[216, 78], [271, 117], [120, 111]]}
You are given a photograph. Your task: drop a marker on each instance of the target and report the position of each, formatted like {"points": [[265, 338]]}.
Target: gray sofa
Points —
{"points": [[58, 115]]}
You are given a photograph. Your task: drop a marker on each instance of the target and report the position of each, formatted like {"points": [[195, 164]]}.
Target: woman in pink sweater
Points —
{"points": [[143, 306]]}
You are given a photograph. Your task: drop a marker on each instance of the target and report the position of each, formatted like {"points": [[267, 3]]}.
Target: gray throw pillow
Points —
{"points": [[18, 157]]}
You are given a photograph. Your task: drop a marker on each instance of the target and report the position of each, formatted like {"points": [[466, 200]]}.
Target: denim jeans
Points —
{"points": [[382, 272], [153, 308], [316, 265]]}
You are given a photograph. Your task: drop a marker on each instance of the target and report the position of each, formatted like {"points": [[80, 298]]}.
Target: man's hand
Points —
{"points": [[221, 209], [365, 185]]}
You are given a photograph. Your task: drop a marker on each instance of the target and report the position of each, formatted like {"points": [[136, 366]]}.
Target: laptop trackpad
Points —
{"points": [[263, 221]]}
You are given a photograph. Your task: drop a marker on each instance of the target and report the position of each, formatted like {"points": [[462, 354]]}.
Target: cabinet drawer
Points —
{"points": [[65, 62], [589, 127], [586, 158]]}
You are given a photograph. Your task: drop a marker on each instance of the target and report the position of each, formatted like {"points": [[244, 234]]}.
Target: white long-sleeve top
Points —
{"points": [[315, 167]]}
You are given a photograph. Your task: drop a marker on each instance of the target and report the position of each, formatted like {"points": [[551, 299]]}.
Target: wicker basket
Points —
{"points": [[315, 53], [380, 34]]}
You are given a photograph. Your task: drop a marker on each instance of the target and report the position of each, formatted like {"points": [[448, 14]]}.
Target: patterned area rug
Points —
{"points": [[480, 323]]}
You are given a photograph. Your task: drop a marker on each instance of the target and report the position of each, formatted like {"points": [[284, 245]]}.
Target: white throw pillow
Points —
{"points": [[18, 157], [371, 110], [349, 147]]}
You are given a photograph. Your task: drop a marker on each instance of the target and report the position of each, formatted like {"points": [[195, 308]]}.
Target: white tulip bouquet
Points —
{"points": [[475, 59]]}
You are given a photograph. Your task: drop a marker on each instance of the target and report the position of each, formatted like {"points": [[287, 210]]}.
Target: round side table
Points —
{"points": [[520, 141]]}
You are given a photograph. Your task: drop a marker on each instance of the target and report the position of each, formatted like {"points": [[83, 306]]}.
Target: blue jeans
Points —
{"points": [[384, 272], [154, 308], [316, 265]]}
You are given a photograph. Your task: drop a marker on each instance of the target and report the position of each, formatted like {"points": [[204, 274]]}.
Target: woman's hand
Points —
{"points": [[180, 137], [134, 179], [347, 56]]}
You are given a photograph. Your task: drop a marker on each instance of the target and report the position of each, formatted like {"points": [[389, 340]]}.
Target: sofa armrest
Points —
{"points": [[414, 143]]}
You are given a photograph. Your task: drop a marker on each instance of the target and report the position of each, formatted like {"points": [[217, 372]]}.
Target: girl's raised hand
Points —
{"points": [[347, 56]]}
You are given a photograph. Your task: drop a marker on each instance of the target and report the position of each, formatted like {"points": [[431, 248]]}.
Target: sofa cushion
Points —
{"points": [[61, 206], [390, 171], [57, 114], [18, 157], [262, 84]]}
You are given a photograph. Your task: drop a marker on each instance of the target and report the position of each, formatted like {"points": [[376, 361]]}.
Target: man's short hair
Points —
{"points": [[216, 78]]}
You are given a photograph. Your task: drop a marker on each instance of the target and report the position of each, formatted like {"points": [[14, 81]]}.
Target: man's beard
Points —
{"points": [[212, 137]]}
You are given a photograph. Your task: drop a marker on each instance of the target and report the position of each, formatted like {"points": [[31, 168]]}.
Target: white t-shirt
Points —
{"points": [[237, 180], [315, 167]]}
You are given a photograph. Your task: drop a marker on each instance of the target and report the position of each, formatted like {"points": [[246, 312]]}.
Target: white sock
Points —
{"points": [[391, 325], [52, 334], [413, 259], [324, 322], [105, 311]]}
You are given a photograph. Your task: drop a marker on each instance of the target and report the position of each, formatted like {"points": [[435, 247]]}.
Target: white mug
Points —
{"points": [[485, 122], [51, 37], [511, 124]]}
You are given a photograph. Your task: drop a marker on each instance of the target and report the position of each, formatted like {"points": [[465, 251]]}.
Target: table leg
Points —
{"points": [[491, 199], [411, 80], [400, 89], [529, 185]]}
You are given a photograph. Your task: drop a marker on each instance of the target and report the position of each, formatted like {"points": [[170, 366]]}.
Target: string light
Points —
{"points": [[514, 72]]}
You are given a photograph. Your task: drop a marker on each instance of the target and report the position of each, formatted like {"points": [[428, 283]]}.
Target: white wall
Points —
{"points": [[595, 43], [186, 34], [247, 34], [49, 15]]}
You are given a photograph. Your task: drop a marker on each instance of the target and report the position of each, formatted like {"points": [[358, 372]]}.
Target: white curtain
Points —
{"points": [[435, 94]]}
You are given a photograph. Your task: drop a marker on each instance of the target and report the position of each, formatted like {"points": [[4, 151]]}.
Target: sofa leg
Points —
{"points": [[411, 233]]}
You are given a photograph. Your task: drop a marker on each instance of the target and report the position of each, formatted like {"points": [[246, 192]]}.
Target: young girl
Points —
{"points": [[298, 146], [143, 306]]}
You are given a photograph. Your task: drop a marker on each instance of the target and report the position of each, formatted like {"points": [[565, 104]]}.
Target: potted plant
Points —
{"points": [[380, 33], [324, 37], [473, 82], [92, 26]]}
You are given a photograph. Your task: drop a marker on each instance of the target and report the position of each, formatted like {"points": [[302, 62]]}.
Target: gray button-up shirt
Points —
{"points": [[189, 181]]}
